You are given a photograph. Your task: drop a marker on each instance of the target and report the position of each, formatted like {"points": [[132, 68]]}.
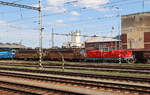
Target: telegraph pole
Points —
{"points": [[119, 42], [52, 37], [41, 29], [119, 35], [119, 45], [143, 5]]}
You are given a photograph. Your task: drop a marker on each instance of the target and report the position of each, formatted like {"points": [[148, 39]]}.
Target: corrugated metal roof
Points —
{"points": [[138, 13], [101, 39], [11, 45]]}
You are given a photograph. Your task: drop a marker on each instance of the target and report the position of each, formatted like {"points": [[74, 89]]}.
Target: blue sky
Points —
{"points": [[92, 17]]}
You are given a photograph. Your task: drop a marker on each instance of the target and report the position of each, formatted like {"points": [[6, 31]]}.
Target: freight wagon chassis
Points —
{"points": [[142, 56]]}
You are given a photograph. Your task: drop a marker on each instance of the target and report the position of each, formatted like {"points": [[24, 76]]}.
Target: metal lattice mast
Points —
{"points": [[19, 5], [40, 23]]}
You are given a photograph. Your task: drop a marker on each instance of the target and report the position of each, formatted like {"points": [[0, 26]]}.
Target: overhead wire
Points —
{"points": [[53, 14], [103, 18], [117, 15], [125, 3], [87, 20], [17, 1]]}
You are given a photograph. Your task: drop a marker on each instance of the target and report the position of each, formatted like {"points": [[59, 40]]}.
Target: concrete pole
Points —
{"points": [[143, 5], [52, 38], [119, 35], [119, 42]]}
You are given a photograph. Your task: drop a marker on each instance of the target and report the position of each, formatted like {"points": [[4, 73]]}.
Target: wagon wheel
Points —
{"points": [[131, 61]]}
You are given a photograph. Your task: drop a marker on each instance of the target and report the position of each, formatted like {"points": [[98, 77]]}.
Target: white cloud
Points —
{"points": [[35, 5], [73, 19], [86, 3], [56, 9], [59, 21], [103, 9], [16, 27], [75, 13], [110, 15], [57, 3], [3, 23], [94, 4]]}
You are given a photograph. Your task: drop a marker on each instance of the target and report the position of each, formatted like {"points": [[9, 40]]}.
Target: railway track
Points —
{"points": [[86, 75], [78, 64], [116, 66], [130, 88], [103, 68], [112, 66]]}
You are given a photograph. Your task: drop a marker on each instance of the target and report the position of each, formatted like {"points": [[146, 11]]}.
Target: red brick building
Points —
{"points": [[136, 31]]}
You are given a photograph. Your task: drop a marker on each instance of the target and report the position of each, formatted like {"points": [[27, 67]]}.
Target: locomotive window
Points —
{"points": [[97, 46], [90, 45], [106, 49]]}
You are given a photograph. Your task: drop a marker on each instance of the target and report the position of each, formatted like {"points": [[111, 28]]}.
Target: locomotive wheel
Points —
{"points": [[148, 60], [130, 61]]}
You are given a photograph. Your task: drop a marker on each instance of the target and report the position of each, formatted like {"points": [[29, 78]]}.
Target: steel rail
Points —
{"points": [[120, 70], [35, 90], [86, 65]]}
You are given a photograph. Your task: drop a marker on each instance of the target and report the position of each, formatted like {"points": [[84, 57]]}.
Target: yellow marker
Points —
{"points": [[63, 63]]}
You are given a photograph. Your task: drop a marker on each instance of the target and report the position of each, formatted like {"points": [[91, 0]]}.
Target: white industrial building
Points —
{"points": [[75, 41]]}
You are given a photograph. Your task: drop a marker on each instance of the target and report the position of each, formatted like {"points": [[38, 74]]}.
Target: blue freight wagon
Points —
{"points": [[7, 54]]}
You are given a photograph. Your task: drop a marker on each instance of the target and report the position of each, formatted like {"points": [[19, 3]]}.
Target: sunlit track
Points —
{"points": [[13, 91], [144, 90], [112, 66], [97, 76], [23, 89]]}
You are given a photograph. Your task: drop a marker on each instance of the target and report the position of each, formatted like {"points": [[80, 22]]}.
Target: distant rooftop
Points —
{"points": [[101, 39], [139, 13], [11, 45]]}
